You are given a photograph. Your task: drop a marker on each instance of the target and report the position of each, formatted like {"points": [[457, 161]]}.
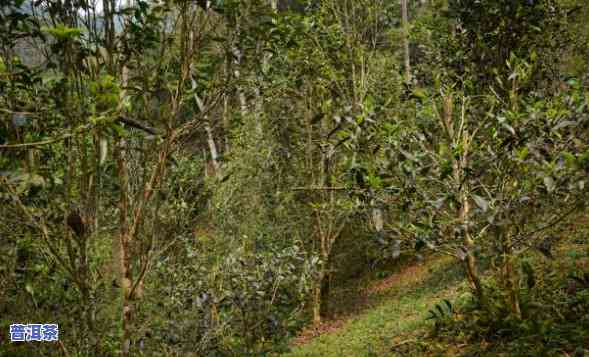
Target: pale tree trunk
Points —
{"points": [[321, 286], [213, 149], [325, 242], [210, 137], [237, 61], [226, 121], [259, 101], [462, 138], [123, 245], [329, 226], [510, 276], [377, 219], [207, 122], [405, 24], [468, 243], [317, 300]]}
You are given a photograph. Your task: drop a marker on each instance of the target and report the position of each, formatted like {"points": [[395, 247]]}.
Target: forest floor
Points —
{"points": [[390, 317], [391, 313]]}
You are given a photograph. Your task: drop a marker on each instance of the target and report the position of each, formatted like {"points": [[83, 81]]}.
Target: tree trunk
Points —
{"points": [[458, 165], [510, 276], [317, 299], [377, 219], [405, 24], [127, 304], [123, 254], [325, 292], [469, 260], [468, 245], [213, 149], [237, 62], [512, 286]]}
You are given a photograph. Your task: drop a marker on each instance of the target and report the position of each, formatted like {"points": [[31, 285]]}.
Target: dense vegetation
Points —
{"points": [[213, 177]]}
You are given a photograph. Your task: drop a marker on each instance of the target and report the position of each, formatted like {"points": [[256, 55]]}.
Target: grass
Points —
{"points": [[398, 308], [392, 318]]}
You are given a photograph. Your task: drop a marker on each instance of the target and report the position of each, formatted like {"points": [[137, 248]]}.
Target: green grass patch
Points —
{"points": [[397, 312], [393, 320]]}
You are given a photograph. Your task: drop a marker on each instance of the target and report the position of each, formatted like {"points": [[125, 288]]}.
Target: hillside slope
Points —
{"points": [[399, 306], [395, 322]]}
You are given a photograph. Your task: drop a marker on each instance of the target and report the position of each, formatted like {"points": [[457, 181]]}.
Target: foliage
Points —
{"points": [[552, 308], [209, 177]]}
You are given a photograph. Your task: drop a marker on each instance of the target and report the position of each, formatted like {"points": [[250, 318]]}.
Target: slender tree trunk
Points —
{"points": [[377, 219], [237, 62], [405, 24], [210, 137], [510, 276], [320, 294], [317, 298], [469, 260], [458, 165], [125, 264], [127, 305], [212, 149], [259, 100], [226, 121], [123, 245]]}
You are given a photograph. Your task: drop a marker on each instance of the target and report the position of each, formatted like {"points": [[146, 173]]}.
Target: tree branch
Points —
{"points": [[130, 122]]}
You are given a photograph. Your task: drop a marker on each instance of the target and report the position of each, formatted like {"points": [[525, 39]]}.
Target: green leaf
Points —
{"points": [[419, 93], [374, 181], [523, 153], [119, 129], [62, 32], [570, 159], [448, 304], [29, 289]]}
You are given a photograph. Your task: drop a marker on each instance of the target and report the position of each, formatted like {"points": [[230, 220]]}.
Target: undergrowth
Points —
{"points": [[555, 313], [429, 311]]}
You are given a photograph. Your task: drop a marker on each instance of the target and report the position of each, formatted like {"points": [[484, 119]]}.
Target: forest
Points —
{"points": [[294, 177]]}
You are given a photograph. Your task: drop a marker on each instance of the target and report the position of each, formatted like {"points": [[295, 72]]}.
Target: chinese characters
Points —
{"points": [[34, 332]]}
